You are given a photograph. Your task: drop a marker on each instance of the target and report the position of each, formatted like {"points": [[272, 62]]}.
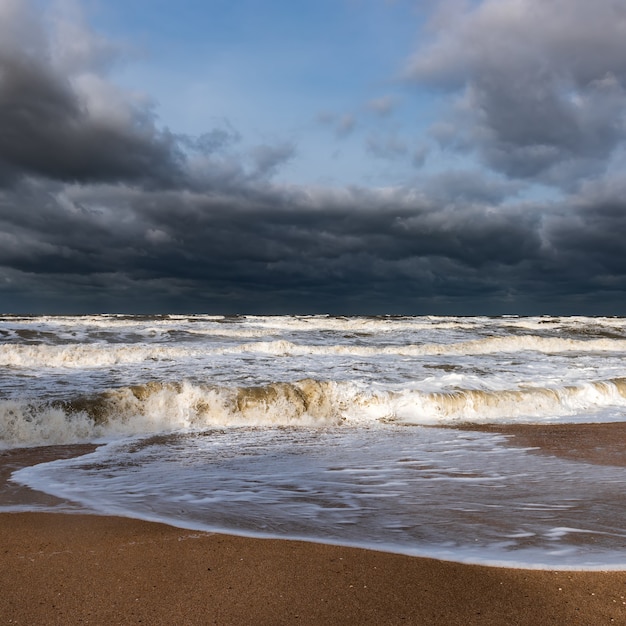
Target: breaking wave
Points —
{"points": [[98, 355], [490, 345], [164, 407], [83, 355]]}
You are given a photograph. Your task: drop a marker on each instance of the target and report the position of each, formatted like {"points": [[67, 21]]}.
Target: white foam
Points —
{"points": [[444, 494], [279, 386], [86, 355], [489, 345], [164, 407]]}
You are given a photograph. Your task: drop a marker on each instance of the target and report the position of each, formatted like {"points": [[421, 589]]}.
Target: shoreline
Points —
{"points": [[599, 443], [59, 568]]}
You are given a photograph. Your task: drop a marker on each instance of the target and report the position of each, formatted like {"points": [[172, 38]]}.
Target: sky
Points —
{"points": [[451, 157]]}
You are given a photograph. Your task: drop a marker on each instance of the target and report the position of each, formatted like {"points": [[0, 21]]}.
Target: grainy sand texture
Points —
{"points": [[75, 569], [83, 569]]}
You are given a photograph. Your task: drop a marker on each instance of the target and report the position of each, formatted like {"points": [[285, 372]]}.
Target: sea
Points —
{"points": [[356, 431]]}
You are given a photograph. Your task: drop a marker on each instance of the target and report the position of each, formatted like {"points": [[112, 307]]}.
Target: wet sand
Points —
{"points": [[74, 569], [13, 494], [601, 444]]}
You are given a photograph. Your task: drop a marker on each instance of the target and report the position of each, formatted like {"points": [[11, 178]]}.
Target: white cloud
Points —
{"points": [[540, 85]]}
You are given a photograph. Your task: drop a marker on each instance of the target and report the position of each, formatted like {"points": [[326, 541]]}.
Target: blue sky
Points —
{"points": [[353, 156], [323, 76]]}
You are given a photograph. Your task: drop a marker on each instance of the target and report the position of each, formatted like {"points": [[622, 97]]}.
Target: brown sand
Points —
{"points": [[13, 459], [601, 444], [75, 569]]}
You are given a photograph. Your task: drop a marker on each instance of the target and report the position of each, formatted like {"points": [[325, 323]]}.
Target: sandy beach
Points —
{"points": [[75, 569], [71, 569], [601, 444]]}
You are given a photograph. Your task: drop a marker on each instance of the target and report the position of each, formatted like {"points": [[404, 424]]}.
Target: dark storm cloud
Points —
{"points": [[62, 119], [67, 126], [268, 158], [104, 211], [542, 83], [459, 188], [315, 250]]}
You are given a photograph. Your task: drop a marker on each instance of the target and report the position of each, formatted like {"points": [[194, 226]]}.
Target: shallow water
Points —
{"points": [[309, 427]]}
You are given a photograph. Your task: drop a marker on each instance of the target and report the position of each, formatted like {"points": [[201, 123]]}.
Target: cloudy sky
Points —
{"points": [[339, 156]]}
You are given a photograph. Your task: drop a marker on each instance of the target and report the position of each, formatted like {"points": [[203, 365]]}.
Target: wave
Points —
{"points": [[85, 356], [102, 354], [157, 407], [164, 407], [240, 325], [528, 404], [488, 345], [130, 334]]}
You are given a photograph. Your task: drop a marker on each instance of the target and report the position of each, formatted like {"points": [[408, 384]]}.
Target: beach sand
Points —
{"points": [[602, 444], [78, 569]]}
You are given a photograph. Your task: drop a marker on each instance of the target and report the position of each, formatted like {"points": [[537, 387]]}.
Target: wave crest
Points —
{"points": [[103, 355], [164, 407], [487, 345]]}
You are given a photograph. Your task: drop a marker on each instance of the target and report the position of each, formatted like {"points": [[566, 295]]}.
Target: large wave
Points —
{"points": [[163, 407], [102, 354]]}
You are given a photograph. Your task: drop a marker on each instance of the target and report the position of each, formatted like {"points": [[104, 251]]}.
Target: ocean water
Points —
{"points": [[328, 429]]}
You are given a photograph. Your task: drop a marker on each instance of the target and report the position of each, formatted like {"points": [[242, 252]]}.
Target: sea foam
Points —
{"points": [[165, 407]]}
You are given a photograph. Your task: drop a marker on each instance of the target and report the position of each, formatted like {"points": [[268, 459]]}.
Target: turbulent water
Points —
{"points": [[313, 427]]}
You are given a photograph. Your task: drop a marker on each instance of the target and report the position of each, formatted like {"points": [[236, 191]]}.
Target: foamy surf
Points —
{"points": [[453, 495], [490, 345], [105, 354], [311, 427], [157, 407]]}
